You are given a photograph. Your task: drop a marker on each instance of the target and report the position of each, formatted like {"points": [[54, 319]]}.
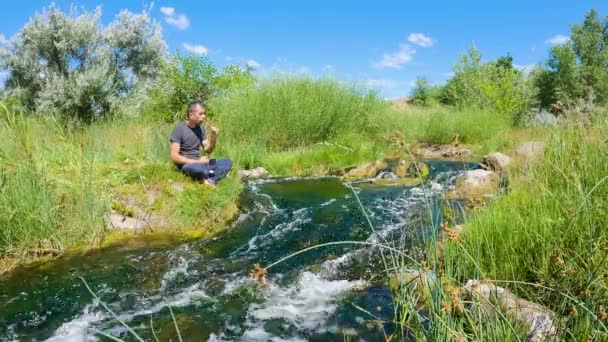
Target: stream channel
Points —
{"points": [[337, 292]]}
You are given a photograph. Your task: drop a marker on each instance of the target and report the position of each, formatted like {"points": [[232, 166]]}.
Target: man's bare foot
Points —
{"points": [[210, 184]]}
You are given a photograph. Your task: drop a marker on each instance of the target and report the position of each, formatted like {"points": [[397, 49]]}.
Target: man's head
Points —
{"points": [[196, 112]]}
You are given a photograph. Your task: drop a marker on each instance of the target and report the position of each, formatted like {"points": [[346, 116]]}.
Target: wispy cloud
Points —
{"points": [[196, 49], [3, 40], [526, 69], [397, 59], [382, 83], [558, 39], [168, 11], [172, 18], [421, 40], [252, 63]]}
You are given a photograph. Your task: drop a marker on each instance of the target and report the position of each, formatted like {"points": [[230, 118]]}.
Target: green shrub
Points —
{"points": [[72, 66], [495, 86], [287, 112], [425, 94], [186, 78]]}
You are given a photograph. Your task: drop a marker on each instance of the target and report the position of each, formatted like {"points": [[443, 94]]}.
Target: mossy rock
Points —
{"points": [[369, 170], [418, 169]]}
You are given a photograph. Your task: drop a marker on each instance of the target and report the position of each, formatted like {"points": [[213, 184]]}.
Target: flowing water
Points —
{"points": [[335, 292]]}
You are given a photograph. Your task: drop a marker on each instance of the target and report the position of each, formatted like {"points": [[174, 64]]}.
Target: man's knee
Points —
{"points": [[194, 170], [226, 163]]}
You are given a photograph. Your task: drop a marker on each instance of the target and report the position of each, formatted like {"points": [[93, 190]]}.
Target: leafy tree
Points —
{"points": [[494, 85], [69, 64], [577, 69], [424, 94], [186, 78]]}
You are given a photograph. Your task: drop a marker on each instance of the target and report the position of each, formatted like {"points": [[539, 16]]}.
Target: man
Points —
{"points": [[186, 139]]}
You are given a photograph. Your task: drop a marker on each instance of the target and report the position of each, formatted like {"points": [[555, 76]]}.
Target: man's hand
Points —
{"points": [[204, 160]]}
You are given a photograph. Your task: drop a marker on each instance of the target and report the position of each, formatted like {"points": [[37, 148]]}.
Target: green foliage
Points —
{"points": [[425, 94], [72, 66], [465, 126], [549, 230], [495, 86], [578, 69], [49, 200], [286, 112], [186, 78]]}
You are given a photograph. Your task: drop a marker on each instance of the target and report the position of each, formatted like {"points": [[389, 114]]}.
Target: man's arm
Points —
{"points": [[181, 160], [209, 143]]}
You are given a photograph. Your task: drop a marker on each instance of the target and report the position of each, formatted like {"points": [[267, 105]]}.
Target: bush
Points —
{"points": [[577, 70], [495, 86], [186, 78], [425, 94], [69, 64], [287, 112]]}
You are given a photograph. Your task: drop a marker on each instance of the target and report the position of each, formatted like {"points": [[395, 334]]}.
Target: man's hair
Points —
{"points": [[192, 105]]}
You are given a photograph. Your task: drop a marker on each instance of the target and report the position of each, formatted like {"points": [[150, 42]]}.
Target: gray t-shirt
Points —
{"points": [[189, 139]]}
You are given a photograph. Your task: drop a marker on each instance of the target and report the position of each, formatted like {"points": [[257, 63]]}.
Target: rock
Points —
{"points": [[418, 169], [530, 150], [476, 183], [488, 297], [117, 221], [178, 187], [258, 172], [442, 151], [497, 161], [420, 282], [387, 175], [369, 170]]}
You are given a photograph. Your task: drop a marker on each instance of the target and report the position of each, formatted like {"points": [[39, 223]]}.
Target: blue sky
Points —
{"points": [[381, 44]]}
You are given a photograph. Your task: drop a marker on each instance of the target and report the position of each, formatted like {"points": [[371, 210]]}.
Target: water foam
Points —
{"points": [[305, 305]]}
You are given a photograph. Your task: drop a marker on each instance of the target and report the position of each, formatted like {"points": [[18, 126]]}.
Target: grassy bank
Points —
{"points": [[58, 180], [545, 240]]}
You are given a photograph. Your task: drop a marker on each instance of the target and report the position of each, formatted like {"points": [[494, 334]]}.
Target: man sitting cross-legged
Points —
{"points": [[186, 139]]}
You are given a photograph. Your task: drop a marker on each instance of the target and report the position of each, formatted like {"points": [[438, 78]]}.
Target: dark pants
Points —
{"points": [[212, 172]]}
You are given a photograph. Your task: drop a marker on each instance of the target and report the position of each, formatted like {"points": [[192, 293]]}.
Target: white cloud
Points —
{"points": [[385, 83], [253, 64], [196, 49], [180, 21], [3, 40], [448, 74], [420, 39], [382, 83], [168, 11], [304, 71], [329, 68], [558, 39], [397, 59], [526, 69]]}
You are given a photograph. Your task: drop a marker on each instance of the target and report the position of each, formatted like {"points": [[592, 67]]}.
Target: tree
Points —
{"points": [[577, 69], [186, 78], [494, 85], [424, 94], [69, 64]]}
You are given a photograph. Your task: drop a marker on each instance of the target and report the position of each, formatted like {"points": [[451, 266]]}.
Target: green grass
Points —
{"points": [[285, 112], [545, 240], [550, 229]]}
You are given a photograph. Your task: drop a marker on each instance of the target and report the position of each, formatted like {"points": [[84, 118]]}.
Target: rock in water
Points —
{"points": [[258, 172], [497, 161], [476, 183]]}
